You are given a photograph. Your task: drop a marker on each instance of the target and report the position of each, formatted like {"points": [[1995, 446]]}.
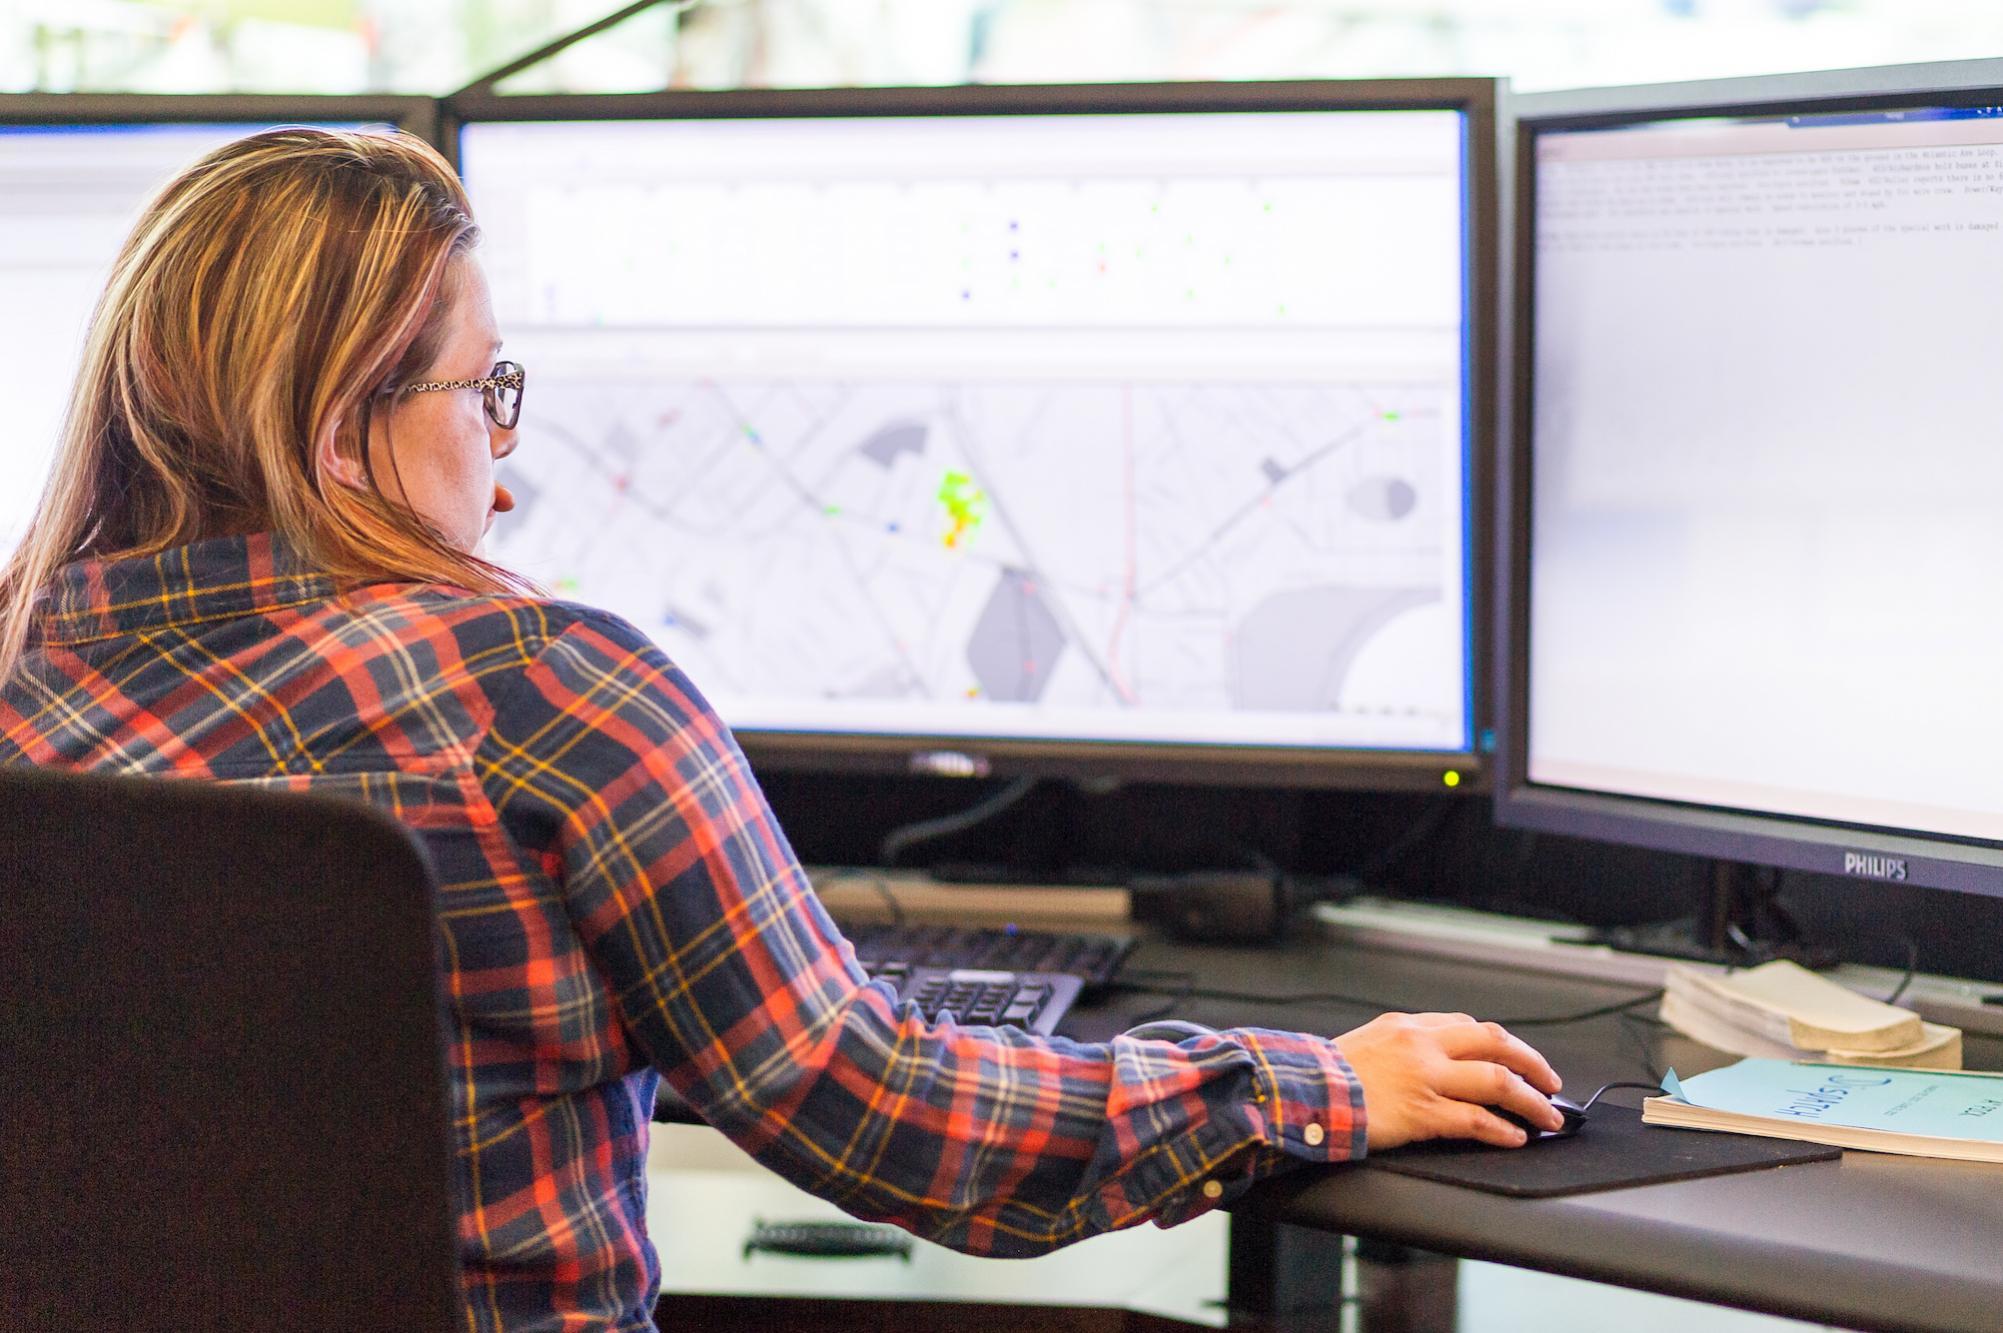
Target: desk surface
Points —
{"points": [[1872, 1241]]}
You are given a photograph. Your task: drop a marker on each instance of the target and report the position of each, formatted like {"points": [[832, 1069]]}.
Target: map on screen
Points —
{"points": [[1143, 428]]}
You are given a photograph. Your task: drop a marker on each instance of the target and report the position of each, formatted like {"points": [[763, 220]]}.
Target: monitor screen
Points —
{"points": [[1139, 428], [1766, 485], [69, 195]]}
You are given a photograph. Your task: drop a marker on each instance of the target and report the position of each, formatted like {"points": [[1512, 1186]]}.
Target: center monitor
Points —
{"points": [[1757, 538], [1122, 430]]}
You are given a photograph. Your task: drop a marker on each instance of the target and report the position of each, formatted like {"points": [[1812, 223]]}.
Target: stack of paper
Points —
{"points": [[1782, 1011], [1925, 1113]]}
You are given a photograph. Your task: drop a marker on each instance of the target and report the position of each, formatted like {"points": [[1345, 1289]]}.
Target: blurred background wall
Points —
{"points": [[437, 45]]}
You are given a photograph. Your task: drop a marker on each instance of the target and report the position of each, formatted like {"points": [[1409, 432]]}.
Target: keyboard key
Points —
{"points": [[988, 998]]}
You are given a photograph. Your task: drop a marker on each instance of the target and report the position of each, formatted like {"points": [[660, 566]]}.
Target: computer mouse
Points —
{"points": [[1575, 1116]]}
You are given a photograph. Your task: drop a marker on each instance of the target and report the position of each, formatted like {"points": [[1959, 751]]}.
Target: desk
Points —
{"points": [[1870, 1242]]}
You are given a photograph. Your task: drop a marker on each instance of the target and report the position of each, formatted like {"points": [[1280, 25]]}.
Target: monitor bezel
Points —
{"points": [[1787, 842], [414, 114], [1357, 768]]}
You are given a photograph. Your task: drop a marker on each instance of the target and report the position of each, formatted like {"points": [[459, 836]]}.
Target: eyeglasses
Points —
{"points": [[502, 391]]}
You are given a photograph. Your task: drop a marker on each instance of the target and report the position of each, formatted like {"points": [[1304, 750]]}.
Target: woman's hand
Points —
{"points": [[1434, 1076]]}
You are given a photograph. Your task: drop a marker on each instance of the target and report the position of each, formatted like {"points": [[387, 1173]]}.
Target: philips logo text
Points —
{"points": [[1874, 867]]}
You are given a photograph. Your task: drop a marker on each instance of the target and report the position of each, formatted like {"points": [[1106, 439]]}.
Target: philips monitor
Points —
{"points": [[75, 171], [1129, 431], [1756, 490]]}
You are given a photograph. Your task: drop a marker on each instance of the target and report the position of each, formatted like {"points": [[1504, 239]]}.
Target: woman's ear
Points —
{"points": [[331, 463]]}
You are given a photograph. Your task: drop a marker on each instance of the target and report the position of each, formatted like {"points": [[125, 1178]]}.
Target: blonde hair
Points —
{"points": [[267, 298]]}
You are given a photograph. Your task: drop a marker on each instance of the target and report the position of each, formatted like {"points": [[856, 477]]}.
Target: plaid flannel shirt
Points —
{"points": [[616, 899]]}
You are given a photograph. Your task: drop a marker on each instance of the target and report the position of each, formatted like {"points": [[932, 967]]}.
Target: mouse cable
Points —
{"points": [[1606, 1088], [1166, 983], [1912, 967], [1584, 1015], [1633, 1030], [906, 836], [1152, 983], [875, 879]]}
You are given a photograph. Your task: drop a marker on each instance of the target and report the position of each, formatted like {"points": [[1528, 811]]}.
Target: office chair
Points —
{"points": [[222, 1087]]}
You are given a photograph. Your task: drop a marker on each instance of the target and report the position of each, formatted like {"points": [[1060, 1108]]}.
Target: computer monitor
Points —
{"points": [[1754, 533], [1130, 431], [75, 171]]}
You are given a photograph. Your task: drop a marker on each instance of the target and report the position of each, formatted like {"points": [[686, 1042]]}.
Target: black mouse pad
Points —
{"points": [[1612, 1150]]}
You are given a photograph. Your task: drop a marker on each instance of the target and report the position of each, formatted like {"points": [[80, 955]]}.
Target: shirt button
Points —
{"points": [[1212, 1190], [1314, 1134]]}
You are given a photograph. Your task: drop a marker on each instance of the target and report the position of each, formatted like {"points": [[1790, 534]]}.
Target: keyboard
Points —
{"points": [[829, 1240], [1093, 959], [983, 997]]}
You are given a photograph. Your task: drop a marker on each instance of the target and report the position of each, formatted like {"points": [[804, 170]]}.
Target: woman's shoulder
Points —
{"points": [[494, 625], [549, 667]]}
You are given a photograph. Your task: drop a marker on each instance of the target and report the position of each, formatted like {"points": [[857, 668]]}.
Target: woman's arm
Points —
{"points": [[605, 762]]}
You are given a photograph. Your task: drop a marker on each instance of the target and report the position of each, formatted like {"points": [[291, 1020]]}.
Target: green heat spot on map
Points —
{"points": [[966, 505]]}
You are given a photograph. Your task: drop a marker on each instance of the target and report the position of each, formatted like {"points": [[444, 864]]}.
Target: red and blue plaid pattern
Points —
{"points": [[616, 898]]}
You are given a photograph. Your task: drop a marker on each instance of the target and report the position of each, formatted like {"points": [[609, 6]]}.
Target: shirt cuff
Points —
{"points": [[1307, 1095], [1306, 1109]]}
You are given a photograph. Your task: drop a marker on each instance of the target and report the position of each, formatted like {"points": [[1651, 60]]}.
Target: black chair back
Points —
{"points": [[222, 1085]]}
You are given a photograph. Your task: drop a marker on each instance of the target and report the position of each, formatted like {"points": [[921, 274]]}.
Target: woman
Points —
{"points": [[255, 562]]}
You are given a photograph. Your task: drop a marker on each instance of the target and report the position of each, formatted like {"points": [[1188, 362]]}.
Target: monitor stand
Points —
{"points": [[1743, 924]]}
